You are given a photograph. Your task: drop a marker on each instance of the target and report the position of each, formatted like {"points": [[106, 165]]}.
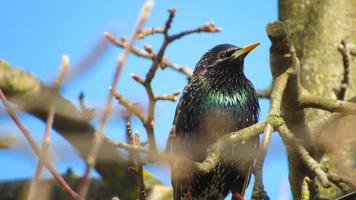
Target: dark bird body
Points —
{"points": [[218, 99]]}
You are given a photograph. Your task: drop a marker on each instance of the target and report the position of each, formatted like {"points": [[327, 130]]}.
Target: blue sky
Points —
{"points": [[34, 35]]}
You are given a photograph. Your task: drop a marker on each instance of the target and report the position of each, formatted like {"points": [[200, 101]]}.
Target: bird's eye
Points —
{"points": [[227, 54]]}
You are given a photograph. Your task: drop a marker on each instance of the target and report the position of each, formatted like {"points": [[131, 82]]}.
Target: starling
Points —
{"points": [[218, 99]]}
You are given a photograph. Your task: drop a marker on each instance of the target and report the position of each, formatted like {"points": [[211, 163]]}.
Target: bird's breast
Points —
{"points": [[224, 112]]}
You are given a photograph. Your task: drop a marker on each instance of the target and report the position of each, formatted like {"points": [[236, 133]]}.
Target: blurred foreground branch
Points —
{"points": [[30, 95]]}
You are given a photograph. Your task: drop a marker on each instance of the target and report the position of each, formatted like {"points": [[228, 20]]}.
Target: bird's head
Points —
{"points": [[222, 60]]}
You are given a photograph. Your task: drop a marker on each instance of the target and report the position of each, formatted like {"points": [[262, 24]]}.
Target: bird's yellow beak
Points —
{"points": [[245, 49]]}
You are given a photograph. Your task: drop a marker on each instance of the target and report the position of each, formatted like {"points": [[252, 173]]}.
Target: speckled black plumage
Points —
{"points": [[218, 99]]}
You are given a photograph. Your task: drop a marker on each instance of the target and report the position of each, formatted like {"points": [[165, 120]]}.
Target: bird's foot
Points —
{"points": [[238, 196]]}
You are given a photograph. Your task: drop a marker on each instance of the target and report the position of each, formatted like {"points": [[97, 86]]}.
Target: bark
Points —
{"points": [[317, 28]]}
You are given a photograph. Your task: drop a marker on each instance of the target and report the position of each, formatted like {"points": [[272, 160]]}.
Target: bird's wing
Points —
{"points": [[186, 122]]}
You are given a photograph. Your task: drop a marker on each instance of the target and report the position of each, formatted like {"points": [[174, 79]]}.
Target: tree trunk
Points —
{"points": [[317, 28]]}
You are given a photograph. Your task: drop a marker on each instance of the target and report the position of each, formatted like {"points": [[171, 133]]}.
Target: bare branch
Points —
{"points": [[266, 93], [316, 126], [130, 106], [224, 142], [276, 94], [129, 147], [167, 26], [289, 139], [169, 97], [35, 147], [258, 187], [345, 53], [84, 182], [30, 95], [145, 12], [331, 105], [123, 44], [89, 60], [47, 135], [184, 70], [144, 54], [214, 151], [149, 31], [208, 28], [342, 182]]}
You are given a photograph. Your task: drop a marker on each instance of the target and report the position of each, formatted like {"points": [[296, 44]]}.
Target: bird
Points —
{"points": [[218, 99]]}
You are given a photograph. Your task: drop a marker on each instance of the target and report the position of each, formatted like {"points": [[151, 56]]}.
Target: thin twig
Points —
{"points": [[89, 60], [214, 151], [123, 44], [318, 125], [35, 147], [345, 53], [266, 93], [342, 182], [126, 146], [47, 135], [169, 97], [145, 12], [184, 70], [149, 123], [157, 60], [130, 106], [210, 27], [84, 183], [276, 95], [289, 139], [144, 54], [258, 187], [331, 105], [149, 31]]}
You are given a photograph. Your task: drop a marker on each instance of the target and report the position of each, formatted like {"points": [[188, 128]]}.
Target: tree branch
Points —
{"points": [[264, 93], [345, 53], [49, 123], [277, 91], [170, 97], [331, 105], [130, 106], [141, 53], [35, 148], [144, 14], [289, 139], [32, 96]]}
